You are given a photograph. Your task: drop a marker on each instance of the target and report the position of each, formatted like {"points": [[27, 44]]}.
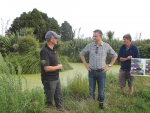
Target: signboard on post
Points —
{"points": [[140, 67]]}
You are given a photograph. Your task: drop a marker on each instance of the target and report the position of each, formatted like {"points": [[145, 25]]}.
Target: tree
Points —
{"points": [[37, 20], [66, 31], [110, 35]]}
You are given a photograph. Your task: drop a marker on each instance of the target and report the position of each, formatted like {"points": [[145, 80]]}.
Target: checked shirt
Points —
{"points": [[97, 55]]}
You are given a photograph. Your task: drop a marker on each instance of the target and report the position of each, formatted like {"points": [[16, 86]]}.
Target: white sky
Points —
{"points": [[120, 16]]}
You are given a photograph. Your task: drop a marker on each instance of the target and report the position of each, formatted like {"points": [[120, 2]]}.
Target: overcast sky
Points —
{"points": [[120, 16]]}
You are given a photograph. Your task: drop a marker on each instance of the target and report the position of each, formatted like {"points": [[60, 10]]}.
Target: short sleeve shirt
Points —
{"points": [[97, 55], [48, 57]]}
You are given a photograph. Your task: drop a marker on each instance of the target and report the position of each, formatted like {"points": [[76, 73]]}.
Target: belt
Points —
{"points": [[99, 70]]}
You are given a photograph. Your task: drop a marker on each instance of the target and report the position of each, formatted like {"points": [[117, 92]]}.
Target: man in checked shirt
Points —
{"points": [[97, 68]]}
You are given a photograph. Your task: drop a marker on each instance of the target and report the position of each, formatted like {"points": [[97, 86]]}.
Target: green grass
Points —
{"points": [[75, 100], [16, 97]]}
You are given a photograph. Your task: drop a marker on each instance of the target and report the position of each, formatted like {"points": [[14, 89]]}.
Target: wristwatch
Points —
{"points": [[109, 65]]}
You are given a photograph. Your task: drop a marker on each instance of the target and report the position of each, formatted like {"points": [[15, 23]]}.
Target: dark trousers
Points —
{"points": [[52, 89]]}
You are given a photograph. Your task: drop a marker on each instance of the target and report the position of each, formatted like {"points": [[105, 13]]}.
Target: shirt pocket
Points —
{"points": [[92, 54]]}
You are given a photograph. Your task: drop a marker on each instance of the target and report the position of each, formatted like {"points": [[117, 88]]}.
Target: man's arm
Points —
{"points": [[113, 60], [124, 59], [52, 68], [111, 63], [84, 62]]}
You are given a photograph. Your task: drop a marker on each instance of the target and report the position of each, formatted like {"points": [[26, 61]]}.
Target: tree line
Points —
{"points": [[41, 24]]}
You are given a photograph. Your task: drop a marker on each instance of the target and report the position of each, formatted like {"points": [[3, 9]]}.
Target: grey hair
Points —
{"points": [[98, 31], [128, 37]]}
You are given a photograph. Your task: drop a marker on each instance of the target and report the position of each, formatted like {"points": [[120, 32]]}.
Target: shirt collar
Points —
{"points": [[101, 44], [131, 45], [48, 47]]}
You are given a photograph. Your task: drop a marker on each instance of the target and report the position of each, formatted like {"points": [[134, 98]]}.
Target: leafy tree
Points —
{"points": [[55, 27], [110, 35], [37, 20], [66, 31], [26, 31]]}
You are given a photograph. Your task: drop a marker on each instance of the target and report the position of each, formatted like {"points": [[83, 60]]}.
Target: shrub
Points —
{"points": [[25, 43], [30, 62], [7, 42], [144, 51], [72, 49]]}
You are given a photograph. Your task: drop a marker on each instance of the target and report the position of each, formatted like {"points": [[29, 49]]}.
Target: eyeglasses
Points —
{"points": [[96, 51]]}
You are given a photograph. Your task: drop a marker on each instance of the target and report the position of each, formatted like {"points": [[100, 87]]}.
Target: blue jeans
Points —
{"points": [[100, 78]]}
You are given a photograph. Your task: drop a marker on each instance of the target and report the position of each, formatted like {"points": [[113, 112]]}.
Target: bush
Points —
{"points": [[25, 43], [30, 62], [72, 49], [7, 42], [144, 51]]}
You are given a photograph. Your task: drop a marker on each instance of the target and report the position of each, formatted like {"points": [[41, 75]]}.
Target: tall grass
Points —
{"points": [[115, 102], [13, 99], [81, 83]]}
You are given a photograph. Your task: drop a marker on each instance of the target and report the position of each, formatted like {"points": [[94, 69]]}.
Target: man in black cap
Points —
{"points": [[50, 71]]}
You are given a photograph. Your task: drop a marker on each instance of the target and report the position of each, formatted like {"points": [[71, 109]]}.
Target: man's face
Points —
{"points": [[126, 41], [96, 37], [54, 40]]}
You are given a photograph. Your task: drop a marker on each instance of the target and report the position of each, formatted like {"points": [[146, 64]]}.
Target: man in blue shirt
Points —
{"points": [[126, 52]]}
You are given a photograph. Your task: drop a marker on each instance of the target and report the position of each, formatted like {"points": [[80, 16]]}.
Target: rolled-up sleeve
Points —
{"points": [[85, 50], [111, 51]]}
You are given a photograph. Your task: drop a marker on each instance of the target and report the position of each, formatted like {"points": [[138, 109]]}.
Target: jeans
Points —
{"points": [[52, 89], [100, 78]]}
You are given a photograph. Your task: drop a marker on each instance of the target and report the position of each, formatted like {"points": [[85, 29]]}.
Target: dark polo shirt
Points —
{"points": [[48, 57]]}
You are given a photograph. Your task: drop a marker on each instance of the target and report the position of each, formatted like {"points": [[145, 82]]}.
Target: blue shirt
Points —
{"points": [[124, 53]]}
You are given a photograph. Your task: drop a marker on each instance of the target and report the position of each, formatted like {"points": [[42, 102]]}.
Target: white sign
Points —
{"points": [[140, 67]]}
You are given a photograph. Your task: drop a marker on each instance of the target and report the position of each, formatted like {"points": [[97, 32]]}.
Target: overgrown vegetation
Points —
{"points": [[115, 102], [15, 98], [24, 50]]}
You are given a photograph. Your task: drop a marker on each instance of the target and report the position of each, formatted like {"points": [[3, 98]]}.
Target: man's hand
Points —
{"points": [[130, 74], [59, 66], [87, 67], [106, 69], [129, 57]]}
